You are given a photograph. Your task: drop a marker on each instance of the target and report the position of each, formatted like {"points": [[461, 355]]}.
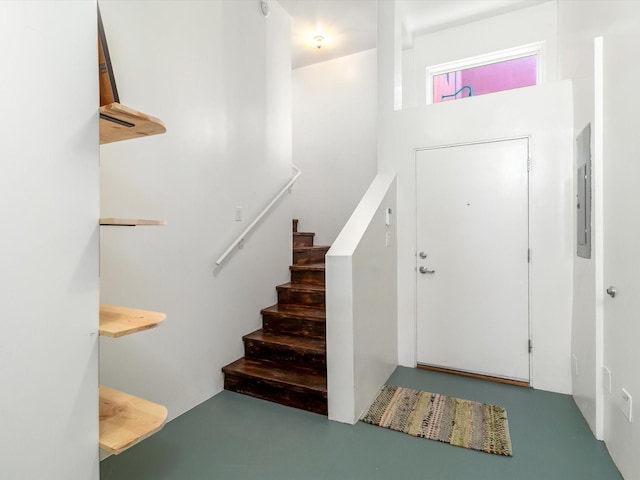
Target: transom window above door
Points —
{"points": [[495, 72]]}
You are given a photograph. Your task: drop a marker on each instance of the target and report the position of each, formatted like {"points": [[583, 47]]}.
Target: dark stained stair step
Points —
{"points": [[309, 254], [294, 320], [294, 387], [308, 273], [285, 361], [303, 239], [287, 350], [301, 294]]}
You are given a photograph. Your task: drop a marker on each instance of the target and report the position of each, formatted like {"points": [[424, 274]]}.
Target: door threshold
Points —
{"points": [[507, 381]]}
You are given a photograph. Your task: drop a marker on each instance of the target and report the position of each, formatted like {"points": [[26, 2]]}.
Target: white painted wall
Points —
{"points": [[49, 241], [361, 274], [617, 22], [409, 79], [521, 27], [334, 140], [544, 112], [576, 62], [218, 74]]}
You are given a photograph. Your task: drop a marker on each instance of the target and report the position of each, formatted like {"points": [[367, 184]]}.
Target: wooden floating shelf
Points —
{"points": [[118, 123], [126, 420], [120, 321], [131, 222]]}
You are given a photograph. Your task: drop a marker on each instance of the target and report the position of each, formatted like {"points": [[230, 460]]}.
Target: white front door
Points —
{"points": [[472, 258]]}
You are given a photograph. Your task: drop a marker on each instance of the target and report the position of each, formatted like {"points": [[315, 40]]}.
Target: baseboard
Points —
{"points": [[508, 381]]}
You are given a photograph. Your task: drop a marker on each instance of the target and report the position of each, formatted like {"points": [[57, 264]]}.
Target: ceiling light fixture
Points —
{"points": [[318, 40]]}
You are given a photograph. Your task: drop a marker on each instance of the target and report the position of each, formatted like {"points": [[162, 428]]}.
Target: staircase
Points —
{"points": [[285, 361]]}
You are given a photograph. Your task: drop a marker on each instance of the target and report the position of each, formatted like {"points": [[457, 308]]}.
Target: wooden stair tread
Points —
{"points": [[297, 342], [312, 248], [309, 254], [319, 267], [301, 287], [119, 122], [295, 377], [126, 420], [296, 311], [312, 272], [119, 321], [303, 239], [301, 293]]}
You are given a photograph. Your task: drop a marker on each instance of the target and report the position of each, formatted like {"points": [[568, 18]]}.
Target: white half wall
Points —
{"points": [[361, 273], [49, 241], [218, 74], [334, 140]]}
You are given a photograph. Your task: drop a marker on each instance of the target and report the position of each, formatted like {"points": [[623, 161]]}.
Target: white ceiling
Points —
{"points": [[350, 25]]}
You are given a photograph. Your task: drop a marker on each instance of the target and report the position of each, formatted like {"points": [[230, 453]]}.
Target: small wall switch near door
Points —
{"points": [[387, 238], [627, 405], [238, 214], [606, 379]]}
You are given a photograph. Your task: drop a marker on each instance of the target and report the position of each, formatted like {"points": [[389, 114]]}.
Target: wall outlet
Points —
{"points": [[627, 405], [606, 379], [574, 364], [238, 214]]}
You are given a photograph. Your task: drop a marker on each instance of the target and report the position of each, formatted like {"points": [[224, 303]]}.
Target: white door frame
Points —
{"points": [[598, 227], [529, 236]]}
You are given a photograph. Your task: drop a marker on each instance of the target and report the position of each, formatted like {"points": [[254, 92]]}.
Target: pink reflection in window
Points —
{"points": [[494, 77]]}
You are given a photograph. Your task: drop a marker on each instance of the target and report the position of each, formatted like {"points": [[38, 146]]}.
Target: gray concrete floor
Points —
{"points": [[234, 437]]}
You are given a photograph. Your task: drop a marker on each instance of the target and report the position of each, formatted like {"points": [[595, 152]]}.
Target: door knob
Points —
{"points": [[426, 270], [422, 255], [612, 291]]}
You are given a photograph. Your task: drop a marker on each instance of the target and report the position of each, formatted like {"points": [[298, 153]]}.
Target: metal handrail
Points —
{"points": [[241, 237]]}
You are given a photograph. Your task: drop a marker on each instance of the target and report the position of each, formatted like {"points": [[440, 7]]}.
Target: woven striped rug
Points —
{"points": [[464, 423]]}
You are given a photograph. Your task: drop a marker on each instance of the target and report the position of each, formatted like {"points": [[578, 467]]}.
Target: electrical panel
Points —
{"points": [[583, 204]]}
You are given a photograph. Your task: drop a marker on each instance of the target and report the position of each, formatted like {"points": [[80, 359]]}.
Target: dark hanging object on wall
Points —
{"points": [[108, 89]]}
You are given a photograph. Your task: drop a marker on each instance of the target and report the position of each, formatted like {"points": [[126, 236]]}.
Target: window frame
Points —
{"points": [[537, 48]]}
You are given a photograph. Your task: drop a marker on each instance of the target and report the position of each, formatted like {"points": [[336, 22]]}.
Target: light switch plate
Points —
{"points": [[606, 379], [627, 405]]}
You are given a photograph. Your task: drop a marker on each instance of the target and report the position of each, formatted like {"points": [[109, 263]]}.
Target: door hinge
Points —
{"points": [[528, 164], [530, 346], [528, 255]]}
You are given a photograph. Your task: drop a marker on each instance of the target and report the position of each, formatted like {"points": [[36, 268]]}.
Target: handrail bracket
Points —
{"points": [[239, 241]]}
